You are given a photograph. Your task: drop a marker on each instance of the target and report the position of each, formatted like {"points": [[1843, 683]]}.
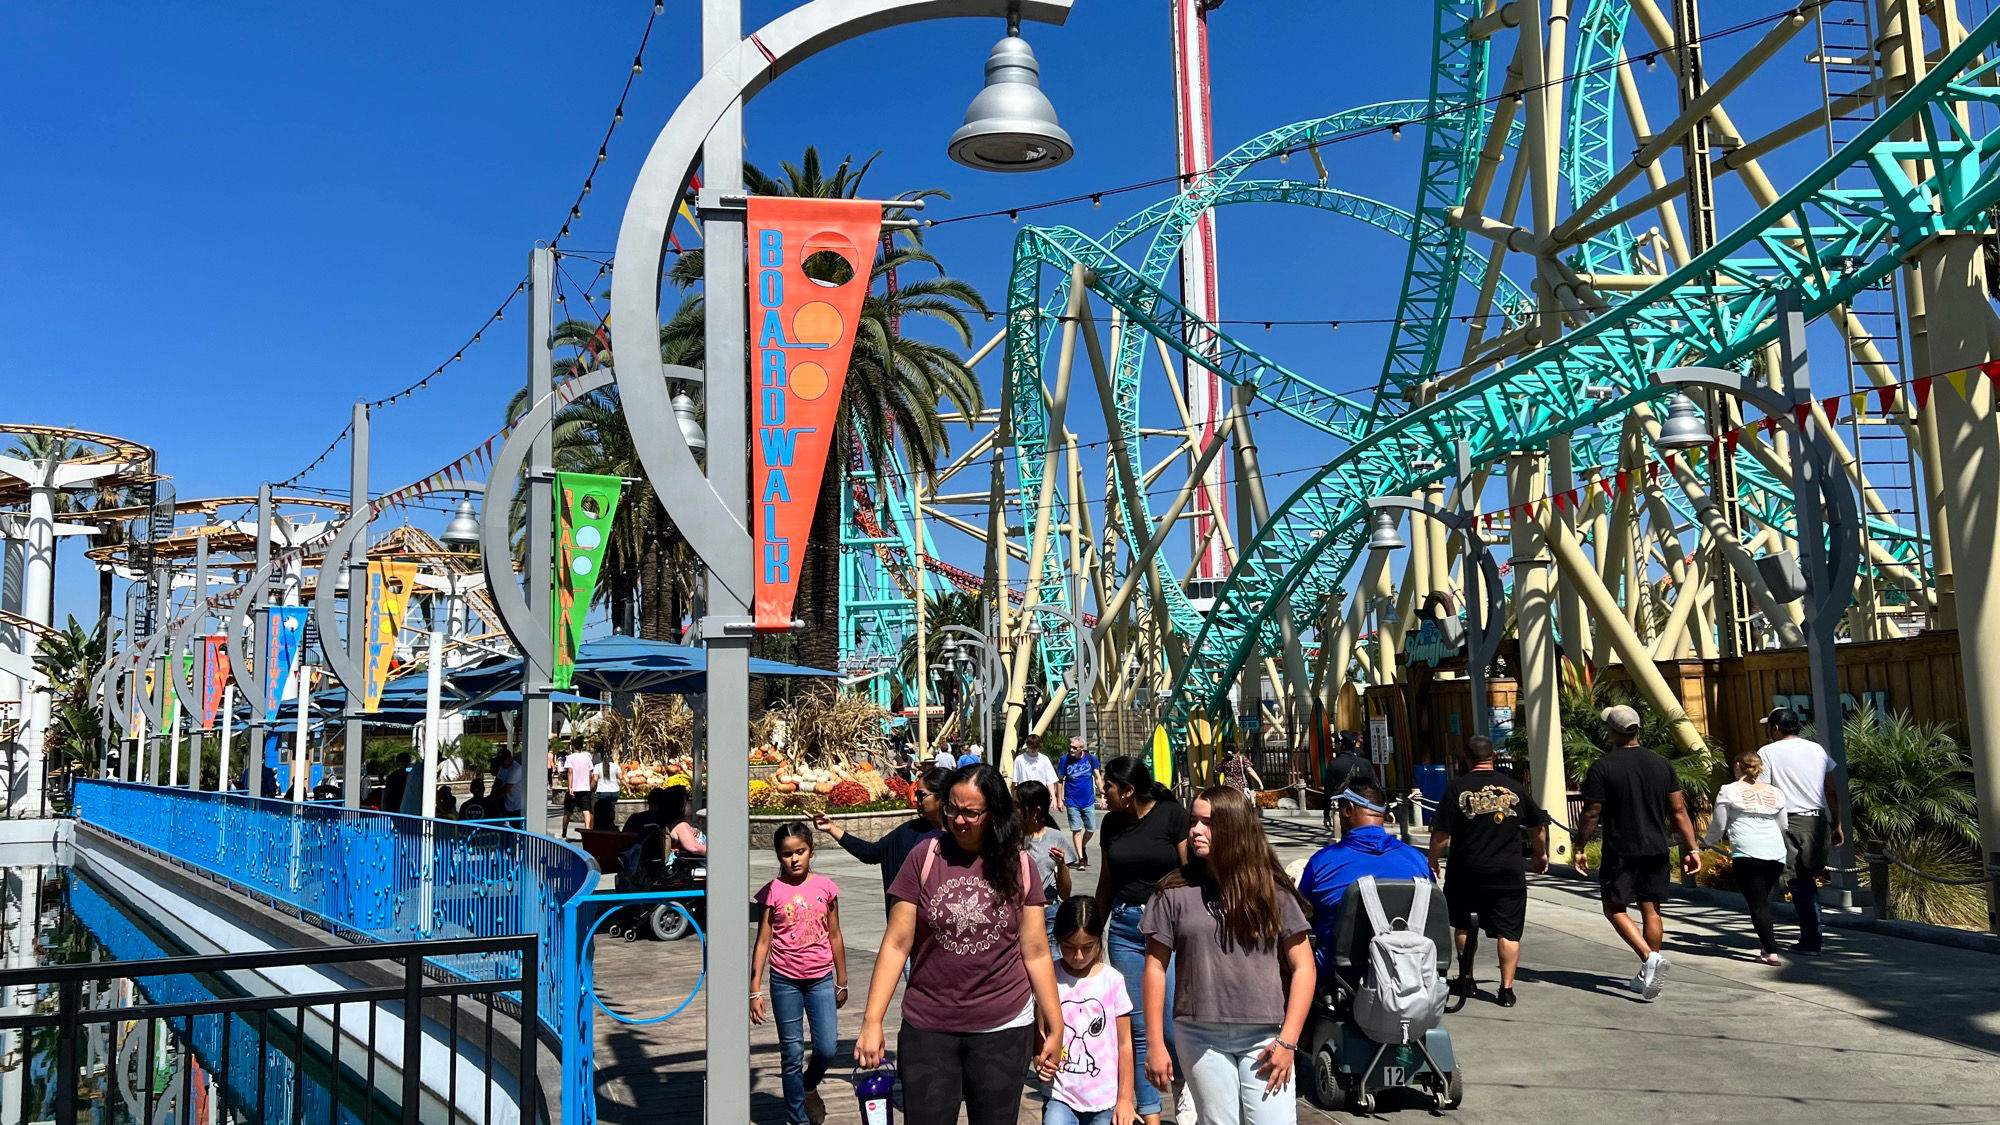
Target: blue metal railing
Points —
{"points": [[379, 877]]}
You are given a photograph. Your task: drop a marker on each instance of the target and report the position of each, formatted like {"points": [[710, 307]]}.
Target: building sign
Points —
{"points": [[1851, 702], [1426, 644], [801, 335]]}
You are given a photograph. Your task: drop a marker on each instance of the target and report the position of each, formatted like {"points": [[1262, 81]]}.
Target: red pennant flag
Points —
{"points": [[1991, 369], [1921, 388], [1605, 484], [1887, 395], [1801, 412], [1833, 406], [1652, 472], [1733, 438]]}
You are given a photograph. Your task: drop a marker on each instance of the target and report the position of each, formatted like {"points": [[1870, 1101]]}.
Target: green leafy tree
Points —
{"points": [[69, 659], [1581, 703]]}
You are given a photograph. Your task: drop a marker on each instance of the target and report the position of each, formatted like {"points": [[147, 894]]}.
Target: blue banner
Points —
{"points": [[284, 631]]}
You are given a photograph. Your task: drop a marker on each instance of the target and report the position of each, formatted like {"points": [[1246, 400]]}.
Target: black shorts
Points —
{"points": [[578, 801], [1502, 906], [1628, 880]]}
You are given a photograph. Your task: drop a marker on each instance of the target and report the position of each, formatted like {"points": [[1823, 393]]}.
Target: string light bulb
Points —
{"points": [[1395, 132], [1013, 216], [637, 65], [1096, 201]]}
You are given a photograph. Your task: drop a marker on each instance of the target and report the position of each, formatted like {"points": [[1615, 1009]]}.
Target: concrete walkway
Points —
{"points": [[1880, 1029]]}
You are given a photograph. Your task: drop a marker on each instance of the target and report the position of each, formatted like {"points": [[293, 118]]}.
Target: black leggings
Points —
{"points": [[1756, 877], [983, 1071]]}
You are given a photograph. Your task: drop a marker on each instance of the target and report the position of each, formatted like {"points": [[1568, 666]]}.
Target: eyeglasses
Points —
{"points": [[953, 812]]}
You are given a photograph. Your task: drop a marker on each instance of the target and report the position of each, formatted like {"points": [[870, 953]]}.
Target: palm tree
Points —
{"points": [[646, 575], [1909, 779], [896, 386], [69, 659]]}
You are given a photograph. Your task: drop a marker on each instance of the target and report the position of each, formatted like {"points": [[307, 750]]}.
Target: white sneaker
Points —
{"points": [[1653, 975], [1638, 982], [1184, 1113]]}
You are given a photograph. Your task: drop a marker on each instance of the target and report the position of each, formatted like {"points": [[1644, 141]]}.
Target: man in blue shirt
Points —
{"points": [[974, 755], [1364, 848], [1078, 770]]}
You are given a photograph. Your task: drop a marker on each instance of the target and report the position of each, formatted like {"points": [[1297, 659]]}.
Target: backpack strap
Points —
{"points": [[1372, 903], [930, 861], [1420, 906]]}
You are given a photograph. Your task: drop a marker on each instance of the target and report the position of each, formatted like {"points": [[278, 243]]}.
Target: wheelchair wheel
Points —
{"points": [[664, 922], [1359, 1099], [1454, 1090], [1329, 1086]]}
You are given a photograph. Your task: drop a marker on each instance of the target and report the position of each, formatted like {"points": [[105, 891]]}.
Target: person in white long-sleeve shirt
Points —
{"points": [[1752, 815]]}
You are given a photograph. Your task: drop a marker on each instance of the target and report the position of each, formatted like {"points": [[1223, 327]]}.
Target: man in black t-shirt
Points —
{"points": [[1635, 794], [1489, 820]]}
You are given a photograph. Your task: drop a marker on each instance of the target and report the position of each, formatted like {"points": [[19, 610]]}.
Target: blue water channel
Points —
{"points": [[166, 1072]]}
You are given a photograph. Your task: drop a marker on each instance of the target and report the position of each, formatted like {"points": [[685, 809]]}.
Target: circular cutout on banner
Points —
{"points": [[588, 538], [808, 380], [580, 565]]}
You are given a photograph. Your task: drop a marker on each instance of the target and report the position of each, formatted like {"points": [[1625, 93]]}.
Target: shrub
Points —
{"points": [[1909, 779], [1940, 904]]}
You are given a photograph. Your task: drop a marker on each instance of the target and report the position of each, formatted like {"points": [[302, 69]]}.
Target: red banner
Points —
{"points": [[214, 678], [801, 335]]}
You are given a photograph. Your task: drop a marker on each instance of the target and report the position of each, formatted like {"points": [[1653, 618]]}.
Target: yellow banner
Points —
{"points": [[389, 586]]}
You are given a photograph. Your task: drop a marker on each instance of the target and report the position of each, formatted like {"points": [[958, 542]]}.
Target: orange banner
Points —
{"points": [[809, 263]]}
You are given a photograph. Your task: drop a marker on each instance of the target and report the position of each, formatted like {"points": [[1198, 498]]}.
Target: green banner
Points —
{"points": [[585, 506]]}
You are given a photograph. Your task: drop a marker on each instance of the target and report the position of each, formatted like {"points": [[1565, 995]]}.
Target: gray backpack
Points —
{"points": [[1402, 996]]}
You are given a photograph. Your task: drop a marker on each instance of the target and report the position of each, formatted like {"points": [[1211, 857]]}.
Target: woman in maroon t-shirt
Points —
{"points": [[967, 913]]}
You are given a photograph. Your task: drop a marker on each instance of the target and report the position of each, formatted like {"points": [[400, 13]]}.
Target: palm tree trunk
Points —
{"points": [[819, 574]]}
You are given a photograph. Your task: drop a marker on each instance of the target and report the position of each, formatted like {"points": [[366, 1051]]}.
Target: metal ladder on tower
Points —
{"points": [[1848, 65]]}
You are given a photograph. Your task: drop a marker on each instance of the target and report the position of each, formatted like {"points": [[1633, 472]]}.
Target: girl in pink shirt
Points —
{"points": [[798, 938]]}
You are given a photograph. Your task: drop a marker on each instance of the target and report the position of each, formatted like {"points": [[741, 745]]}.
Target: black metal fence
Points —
{"points": [[193, 1039]]}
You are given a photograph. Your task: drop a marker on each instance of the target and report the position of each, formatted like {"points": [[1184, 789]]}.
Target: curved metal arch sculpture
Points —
{"points": [[1686, 316]]}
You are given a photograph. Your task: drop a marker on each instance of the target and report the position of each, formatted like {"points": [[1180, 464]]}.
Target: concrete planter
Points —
{"points": [[868, 825]]}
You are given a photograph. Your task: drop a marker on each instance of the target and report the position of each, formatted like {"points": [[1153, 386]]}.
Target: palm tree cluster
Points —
{"points": [[897, 388], [69, 659]]}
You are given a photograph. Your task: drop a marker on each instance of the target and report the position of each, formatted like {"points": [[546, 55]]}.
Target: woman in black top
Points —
{"points": [[1143, 839], [891, 850]]}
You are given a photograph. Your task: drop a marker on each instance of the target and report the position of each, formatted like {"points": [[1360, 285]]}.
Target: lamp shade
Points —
{"points": [[1385, 537], [462, 533], [691, 430], [1683, 428], [1011, 125]]}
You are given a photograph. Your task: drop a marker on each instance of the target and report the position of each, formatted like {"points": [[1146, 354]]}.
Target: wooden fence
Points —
{"points": [[1429, 716]]}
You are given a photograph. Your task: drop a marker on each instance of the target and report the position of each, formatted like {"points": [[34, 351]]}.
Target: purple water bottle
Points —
{"points": [[875, 1089]]}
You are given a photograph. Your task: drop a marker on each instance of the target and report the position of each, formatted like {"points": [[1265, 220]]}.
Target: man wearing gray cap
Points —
{"points": [[1633, 792]]}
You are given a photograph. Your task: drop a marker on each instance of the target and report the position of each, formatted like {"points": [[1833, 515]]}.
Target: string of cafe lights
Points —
{"points": [[499, 312], [1393, 128]]}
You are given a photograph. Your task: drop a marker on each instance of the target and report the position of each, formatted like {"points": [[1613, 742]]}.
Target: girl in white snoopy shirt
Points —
{"points": [[1093, 1083]]}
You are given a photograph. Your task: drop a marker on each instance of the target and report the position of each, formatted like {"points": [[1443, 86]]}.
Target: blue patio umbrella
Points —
{"points": [[628, 665]]}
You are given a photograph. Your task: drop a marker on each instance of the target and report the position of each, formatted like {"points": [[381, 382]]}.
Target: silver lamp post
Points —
{"points": [[1829, 522], [1485, 610], [709, 505]]}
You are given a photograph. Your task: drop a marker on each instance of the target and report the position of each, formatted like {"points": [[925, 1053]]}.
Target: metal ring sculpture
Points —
{"points": [[1684, 316]]}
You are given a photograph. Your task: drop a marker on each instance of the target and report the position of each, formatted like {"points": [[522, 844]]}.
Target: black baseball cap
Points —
{"points": [[1783, 718]]}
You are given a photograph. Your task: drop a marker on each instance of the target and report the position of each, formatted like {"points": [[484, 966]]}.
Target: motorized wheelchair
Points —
{"points": [[644, 861], [1348, 1067]]}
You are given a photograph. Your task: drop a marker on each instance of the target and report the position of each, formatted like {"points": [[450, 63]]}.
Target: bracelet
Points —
{"points": [[840, 988], [756, 996], [1292, 1047]]}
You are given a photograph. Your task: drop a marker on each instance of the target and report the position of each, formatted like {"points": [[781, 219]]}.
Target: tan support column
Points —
{"points": [[1569, 608], [1963, 331], [1537, 714]]}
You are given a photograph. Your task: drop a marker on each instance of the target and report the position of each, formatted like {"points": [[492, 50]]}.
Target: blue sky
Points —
{"points": [[227, 222]]}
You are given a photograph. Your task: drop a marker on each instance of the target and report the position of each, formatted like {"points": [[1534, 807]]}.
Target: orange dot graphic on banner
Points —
{"points": [[808, 381], [816, 324]]}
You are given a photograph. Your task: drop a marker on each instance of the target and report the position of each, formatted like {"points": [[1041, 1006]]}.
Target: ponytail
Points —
{"points": [[1128, 772]]}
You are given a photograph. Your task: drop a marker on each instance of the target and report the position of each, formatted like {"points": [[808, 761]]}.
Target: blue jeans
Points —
{"points": [[1056, 1113], [791, 1000], [1128, 956], [1221, 1072]]}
